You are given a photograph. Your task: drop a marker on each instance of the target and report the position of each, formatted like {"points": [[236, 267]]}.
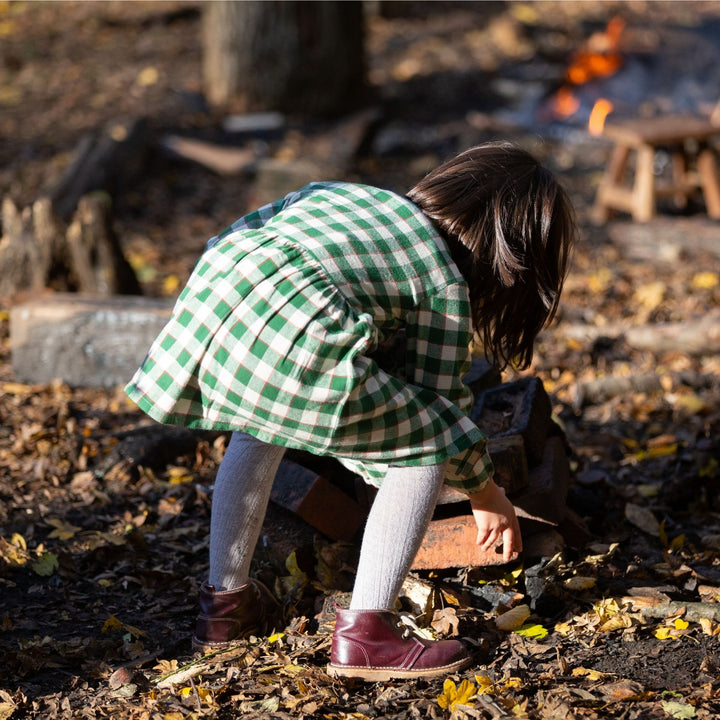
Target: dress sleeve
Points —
{"points": [[438, 357]]}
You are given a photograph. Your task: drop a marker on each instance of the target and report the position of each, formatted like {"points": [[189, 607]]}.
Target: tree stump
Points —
{"points": [[37, 252]]}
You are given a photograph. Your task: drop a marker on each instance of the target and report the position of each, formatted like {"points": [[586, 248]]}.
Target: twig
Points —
{"points": [[191, 670]]}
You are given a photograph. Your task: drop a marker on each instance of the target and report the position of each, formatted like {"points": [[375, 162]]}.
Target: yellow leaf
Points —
{"points": [[600, 280], [513, 618], [297, 576], [485, 685], [524, 13], [453, 695], [616, 622], [592, 675], [511, 683], [275, 637], [112, 623], [532, 631], [677, 542], [665, 633], [681, 624], [63, 530], [650, 295], [179, 475], [7, 27], [170, 284], [148, 76], [688, 401], [705, 281], [14, 551], [189, 691]]}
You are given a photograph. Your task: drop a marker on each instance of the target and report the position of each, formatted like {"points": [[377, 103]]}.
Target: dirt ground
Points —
{"points": [[101, 553]]}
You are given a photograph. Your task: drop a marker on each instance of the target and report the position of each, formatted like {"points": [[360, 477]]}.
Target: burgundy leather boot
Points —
{"points": [[375, 645], [229, 615]]}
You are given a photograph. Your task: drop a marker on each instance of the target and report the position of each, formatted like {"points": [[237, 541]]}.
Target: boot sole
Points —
{"points": [[205, 647], [383, 674]]}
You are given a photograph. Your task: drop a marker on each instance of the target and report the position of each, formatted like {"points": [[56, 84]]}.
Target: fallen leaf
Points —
{"points": [[453, 695], [705, 280], [678, 710], [532, 631], [592, 675], [63, 530], [485, 685], [46, 564], [148, 76], [650, 295], [621, 690], [579, 582], [445, 622], [643, 518], [513, 619]]}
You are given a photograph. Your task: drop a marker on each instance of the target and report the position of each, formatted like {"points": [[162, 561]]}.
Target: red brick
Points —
{"points": [[317, 501], [450, 543]]}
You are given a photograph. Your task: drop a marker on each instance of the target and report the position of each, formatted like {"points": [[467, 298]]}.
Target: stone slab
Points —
{"points": [[84, 340]]}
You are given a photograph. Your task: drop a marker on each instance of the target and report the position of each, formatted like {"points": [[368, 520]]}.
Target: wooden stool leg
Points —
{"points": [[679, 177], [611, 180], [709, 181], [644, 187]]}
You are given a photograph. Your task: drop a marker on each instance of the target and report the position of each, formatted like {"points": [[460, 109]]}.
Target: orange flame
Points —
{"points": [[600, 111], [565, 103], [599, 58]]}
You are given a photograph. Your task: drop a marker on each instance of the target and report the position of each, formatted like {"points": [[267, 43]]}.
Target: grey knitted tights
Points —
{"points": [[394, 530]]}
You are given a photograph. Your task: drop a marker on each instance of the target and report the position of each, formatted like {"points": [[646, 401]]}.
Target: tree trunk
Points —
{"points": [[303, 58]]}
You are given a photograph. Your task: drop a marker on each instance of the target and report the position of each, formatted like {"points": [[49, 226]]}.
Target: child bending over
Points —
{"points": [[272, 338]]}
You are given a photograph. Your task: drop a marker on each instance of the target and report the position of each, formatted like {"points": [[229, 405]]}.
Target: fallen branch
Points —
{"points": [[599, 390], [662, 609], [694, 336]]}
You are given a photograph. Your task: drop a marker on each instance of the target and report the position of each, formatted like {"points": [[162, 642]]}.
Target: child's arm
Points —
{"points": [[496, 520]]}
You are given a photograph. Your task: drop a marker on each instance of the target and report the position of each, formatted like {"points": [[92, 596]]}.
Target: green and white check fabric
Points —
{"points": [[272, 333]]}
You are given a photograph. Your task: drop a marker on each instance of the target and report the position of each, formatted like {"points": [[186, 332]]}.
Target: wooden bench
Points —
{"points": [[693, 165]]}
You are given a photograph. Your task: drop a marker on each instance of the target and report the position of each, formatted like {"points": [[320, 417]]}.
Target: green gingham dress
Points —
{"points": [[273, 332]]}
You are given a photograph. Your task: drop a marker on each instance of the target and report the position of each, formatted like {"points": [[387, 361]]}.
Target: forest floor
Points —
{"points": [[100, 557]]}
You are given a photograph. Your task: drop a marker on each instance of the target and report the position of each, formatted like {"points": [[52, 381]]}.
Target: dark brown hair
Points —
{"points": [[510, 227]]}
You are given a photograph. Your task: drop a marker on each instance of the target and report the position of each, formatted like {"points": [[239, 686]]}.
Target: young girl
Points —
{"points": [[273, 338]]}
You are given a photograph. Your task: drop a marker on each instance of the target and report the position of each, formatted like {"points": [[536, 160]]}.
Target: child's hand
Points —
{"points": [[496, 520]]}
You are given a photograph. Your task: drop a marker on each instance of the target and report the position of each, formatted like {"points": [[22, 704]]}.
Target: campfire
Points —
{"points": [[600, 57]]}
